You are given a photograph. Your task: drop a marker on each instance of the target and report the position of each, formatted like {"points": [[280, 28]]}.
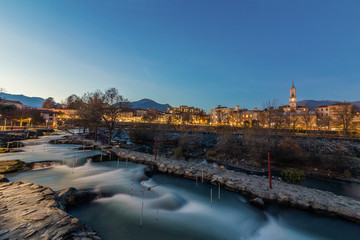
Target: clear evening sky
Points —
{"points": [[196, 52]]}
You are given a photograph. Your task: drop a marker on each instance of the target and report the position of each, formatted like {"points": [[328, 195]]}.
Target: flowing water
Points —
{"points": [[173, 208]]}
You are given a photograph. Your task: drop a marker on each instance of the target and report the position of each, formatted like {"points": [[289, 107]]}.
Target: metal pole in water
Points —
{"points": [[142, 203], [63, 160], [73, 167], [196, 182], [118, 162], [269, 166], [101, 157], [142, 210], [132, 189], [76, 159], [202, 176], [219, 191], [211, 196], [155, 147], [157, 208]]}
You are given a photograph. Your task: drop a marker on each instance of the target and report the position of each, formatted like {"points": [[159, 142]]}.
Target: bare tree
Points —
{"points": [[345, 115], [323, 121], [91, 110], [306, 118], [113, 102], [73, 102]]}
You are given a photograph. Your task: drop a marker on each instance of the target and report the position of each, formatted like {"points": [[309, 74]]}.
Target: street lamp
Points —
{"points": [[29, 122]]}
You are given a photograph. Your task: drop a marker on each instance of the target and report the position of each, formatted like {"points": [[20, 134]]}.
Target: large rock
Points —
{"points": [[71, 197], [3, 178], [30, 211], [258, 202]]}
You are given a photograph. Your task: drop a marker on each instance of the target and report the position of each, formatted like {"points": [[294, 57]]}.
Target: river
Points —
{"points": [[173, 208]]}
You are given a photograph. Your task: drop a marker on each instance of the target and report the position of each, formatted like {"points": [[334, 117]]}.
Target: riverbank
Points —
{"points": [[31, 211], [251, 186]]}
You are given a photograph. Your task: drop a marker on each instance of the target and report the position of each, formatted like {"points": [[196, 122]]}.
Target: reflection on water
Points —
{"points": [[183, 210]]}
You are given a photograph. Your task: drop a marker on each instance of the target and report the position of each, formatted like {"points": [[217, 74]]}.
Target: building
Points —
{"points": [[50, 117], [185, 114], [293, 107], [245, 117], [221, 115], [292, 98], [17, 104]]}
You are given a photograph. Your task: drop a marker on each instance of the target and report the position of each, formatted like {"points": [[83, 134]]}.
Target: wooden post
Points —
{"points": [[202, 176], [196, 181], [73, 167], [211, 196], [118, 163], [155, 147], [101, 157], [269, 166]]}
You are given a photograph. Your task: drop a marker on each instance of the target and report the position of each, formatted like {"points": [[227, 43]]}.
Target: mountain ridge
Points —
{"points": [[317, 103], [146, 103], [35, 102]]}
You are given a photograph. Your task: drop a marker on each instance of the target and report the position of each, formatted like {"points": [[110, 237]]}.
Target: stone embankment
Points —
{"points": [[30, 211], [249, 185], [8, 166]]}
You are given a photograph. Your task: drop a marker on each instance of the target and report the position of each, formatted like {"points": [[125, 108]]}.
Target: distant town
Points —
{"points": [[341, 116]]}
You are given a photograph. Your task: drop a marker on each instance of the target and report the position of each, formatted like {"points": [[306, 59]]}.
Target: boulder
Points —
{"points": [[71, 197], [3, 178], [258, 202]]}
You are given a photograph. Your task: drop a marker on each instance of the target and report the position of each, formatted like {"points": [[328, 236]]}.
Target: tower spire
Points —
{"points": [[293, 84]]}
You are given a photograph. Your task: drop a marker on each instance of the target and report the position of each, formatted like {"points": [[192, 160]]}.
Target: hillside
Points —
{"points": [[147, 104], [27, 101], [316, 103]]}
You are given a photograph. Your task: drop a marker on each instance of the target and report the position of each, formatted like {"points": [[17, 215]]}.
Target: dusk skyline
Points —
{"points": [[202, 53]]}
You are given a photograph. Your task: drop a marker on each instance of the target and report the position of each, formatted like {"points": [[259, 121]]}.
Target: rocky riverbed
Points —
{"points": [[30, 211], [248, 185]]}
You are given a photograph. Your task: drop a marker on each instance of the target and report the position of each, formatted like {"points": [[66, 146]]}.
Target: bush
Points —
{"points": [[177, 153], [288, 151], [210, 153], [293, 175]]}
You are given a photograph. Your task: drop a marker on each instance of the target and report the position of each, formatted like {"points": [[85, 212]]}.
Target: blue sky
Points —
{"points": [[200, 52]]}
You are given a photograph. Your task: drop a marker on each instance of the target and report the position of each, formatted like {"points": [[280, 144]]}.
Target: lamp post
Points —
{"points": [[47, 123], [29, 119]]}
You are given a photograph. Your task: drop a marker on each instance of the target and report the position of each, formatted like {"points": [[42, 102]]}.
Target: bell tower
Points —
{"points": [[292, 98]]}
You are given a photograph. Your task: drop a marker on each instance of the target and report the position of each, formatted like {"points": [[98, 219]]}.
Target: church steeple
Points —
{"points": [[292, 98]]}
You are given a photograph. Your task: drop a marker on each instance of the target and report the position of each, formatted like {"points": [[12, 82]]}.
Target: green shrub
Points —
{"points": [[347, 173], [178, 153], [293, 175]]}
